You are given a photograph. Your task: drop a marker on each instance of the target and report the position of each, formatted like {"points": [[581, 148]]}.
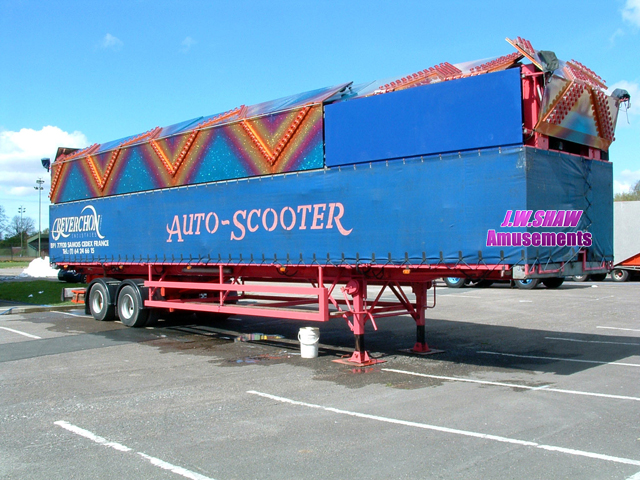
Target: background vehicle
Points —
{"points": [[626, 237], [523, 284], [597, 277]]}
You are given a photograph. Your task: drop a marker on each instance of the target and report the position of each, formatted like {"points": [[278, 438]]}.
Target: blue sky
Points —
{"points": [[74, 73]]}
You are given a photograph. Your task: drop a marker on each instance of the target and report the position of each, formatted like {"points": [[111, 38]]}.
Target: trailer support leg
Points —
{"points": [[420, 291], [357, 289], [421, 347]]}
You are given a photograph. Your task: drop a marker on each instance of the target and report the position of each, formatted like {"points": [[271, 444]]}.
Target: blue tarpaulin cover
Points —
{"points": [[421, 210], [470, 113]]}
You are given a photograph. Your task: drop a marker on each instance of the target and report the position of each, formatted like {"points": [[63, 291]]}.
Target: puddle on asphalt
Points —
{"points": [[282, 355], [363, 370]]}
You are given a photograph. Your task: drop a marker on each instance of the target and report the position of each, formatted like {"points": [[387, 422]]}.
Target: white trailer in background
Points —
{"points": [[626, 240], [626, 244]]}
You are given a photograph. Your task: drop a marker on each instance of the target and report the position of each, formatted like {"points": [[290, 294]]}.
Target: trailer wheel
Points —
{"points": [[454, 282], [598, 277], [580, 278], [527, 283], [129, 307], [553, 282], [99, 305], [618, 275]]}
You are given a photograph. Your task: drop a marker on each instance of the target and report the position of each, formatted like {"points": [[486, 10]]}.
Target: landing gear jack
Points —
{"points": [[357, 289], [360, 357], [421, 347]]}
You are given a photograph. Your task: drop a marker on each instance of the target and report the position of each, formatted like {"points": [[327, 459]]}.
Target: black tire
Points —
{"points": [[619, 275], [598, 277], [99, 305], [129, 307], [553, 282], [453, 282], [153, 317], [70, 276], [580, 278], [528, 283]]}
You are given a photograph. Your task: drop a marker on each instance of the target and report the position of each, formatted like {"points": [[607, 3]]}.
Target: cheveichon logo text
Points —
{"points": [[63, 227]]}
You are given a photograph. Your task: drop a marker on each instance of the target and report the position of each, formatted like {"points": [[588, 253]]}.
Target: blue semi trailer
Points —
{"points": [[292, 208]]}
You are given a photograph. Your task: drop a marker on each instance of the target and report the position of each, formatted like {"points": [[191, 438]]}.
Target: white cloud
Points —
{"points": [[187, 43], [20, 154], [20, 191], [626, 180], [621, 187], [631, 12], [618, 33], [110, 42]]}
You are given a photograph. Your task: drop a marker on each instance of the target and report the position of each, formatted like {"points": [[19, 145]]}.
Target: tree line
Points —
{"points": [[14, 229], [634, 194]]}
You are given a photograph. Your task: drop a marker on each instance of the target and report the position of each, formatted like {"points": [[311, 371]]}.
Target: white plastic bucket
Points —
{"points": [[309, 338]]}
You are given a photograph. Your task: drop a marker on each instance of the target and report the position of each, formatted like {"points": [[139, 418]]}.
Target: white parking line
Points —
{"points": [[458, 379], [122, 448], [75, 315], [634, 477], [537, 357], [592, 341], [484, 436], [172, 468], [546, 388], [21, 333], [625, 329], [91, 436]]}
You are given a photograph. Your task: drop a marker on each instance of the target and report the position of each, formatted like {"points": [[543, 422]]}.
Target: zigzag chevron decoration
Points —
{"points": [[223, 147]]}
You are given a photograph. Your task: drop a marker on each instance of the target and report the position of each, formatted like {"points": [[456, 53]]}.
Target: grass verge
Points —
{"points": [[14, 264], [36, 292]]}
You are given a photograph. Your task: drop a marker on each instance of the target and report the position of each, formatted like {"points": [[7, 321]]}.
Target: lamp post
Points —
{"points": [[21, 210], [39, 187]]}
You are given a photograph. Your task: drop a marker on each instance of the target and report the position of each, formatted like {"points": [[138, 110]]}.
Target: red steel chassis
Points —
{"points": [[315, 293]]}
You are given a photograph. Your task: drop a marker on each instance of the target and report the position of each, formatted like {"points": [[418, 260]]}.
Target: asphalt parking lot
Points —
{"points": [[531, 384]]}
